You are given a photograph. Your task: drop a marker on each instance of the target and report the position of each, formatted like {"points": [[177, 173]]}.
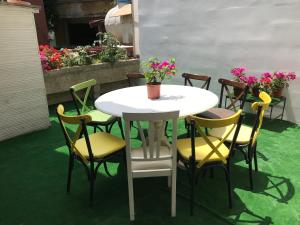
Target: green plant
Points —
{"points": [[156, 71], [111, 52]]}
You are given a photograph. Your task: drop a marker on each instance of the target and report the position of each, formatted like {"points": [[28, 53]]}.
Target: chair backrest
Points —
{"points": [[201, 124], [188, 77], [259, 108], [81, 94], [155, 127], [228, 86], [133, 77], [80, 121]]}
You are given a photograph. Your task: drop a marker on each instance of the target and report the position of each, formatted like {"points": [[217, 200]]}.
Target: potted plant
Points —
{"points": [[155, 71], [254, 84], [279, 81], [239, 76]]}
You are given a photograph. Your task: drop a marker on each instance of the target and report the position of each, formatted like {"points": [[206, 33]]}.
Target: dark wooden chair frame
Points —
{"points": [[240, 98], [94, 163], [189, 76], [107, 125], [187, 81], [249, 150], [133, 77]]}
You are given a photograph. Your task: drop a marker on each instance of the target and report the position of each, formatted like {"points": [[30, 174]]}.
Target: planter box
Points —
{"points": [[109, 77]]}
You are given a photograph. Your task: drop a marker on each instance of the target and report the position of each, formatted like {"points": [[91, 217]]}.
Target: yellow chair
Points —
{"points": [[204, 152], [91, 150], [247, 139]]}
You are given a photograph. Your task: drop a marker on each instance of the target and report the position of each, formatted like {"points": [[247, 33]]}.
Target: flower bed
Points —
{"points": [[106, 50], [272, 83], [108, 77], [104, 61]]}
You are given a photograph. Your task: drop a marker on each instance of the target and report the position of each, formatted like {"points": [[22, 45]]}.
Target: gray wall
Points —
{"points": [[214, 36]]}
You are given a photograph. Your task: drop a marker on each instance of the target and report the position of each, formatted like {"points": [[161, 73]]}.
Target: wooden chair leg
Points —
{"points": [[192, 189], [250, 174], [107, 130], [250, 156], [95, 129], [70, 169], [255, 158], [228, 180], [92, 181], [121, 127], [173, 194], [169, 181], [131, 197], [106, 169]]}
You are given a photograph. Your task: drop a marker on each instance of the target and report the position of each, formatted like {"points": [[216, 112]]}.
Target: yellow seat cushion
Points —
{"points": [[102, 144], [243, 137], [202, 149]]}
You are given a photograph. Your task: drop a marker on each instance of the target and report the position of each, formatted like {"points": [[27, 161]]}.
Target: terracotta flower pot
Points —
{"points": [[277, 93], [153, 90], [255, 92]]}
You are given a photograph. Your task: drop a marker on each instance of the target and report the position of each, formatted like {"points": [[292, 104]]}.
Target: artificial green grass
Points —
{"points": [[33, 172]]}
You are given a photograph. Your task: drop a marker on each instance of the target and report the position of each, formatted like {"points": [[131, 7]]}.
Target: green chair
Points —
{"points": [[91, 150], [82, 95]]}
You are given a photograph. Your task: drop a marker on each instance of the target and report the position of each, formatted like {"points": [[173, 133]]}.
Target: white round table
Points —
{"points": [[188, 100]]}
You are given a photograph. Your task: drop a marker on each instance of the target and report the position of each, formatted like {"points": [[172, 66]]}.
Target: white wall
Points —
{"points": [[214, 36], [23, 104]]}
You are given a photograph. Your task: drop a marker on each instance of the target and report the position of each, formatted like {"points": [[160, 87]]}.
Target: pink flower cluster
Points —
{"points": [[156, 70], [162, 65], [238, 72], [266, 81]]}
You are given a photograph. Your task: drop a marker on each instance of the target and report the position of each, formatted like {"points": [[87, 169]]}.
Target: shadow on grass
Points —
{"points": [[211, 194], [274, 125]]}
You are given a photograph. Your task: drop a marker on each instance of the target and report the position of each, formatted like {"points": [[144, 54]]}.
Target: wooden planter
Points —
{"points": [[109, 77]]}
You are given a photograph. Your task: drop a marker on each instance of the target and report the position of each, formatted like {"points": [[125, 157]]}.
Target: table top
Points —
{"points": [[188, 100]]}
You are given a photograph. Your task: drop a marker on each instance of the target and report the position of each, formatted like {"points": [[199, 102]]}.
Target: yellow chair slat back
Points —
{"points": [[200, 123]]}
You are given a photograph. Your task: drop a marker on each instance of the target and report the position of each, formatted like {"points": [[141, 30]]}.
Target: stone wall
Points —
{"points": [[109, 77]]}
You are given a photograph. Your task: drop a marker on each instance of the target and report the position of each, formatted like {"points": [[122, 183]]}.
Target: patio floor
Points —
{"points": [[33, 185]]}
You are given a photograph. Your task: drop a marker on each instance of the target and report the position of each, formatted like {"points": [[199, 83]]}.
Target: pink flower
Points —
{"points": [[266, 80], [291, 76], [251, 80], [154, 66], [279, 75], [172, 67], [238, 71], [163, 64], [43, 56], [267, 75], [244, 79]]}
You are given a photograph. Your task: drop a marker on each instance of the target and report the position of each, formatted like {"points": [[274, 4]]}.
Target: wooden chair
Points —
{"points": [[156, 157], [206, 151], [91, 150], [83, 98], [236, 101], [246, 141], [188, 77], [133, 77]]}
